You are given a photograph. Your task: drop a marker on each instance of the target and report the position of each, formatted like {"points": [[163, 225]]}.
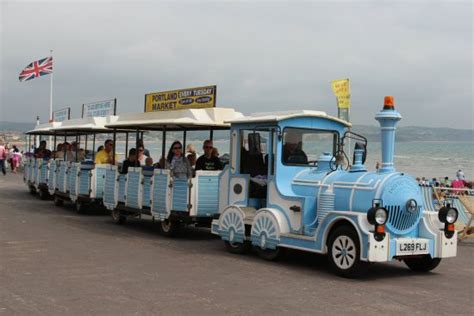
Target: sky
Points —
{"points": [[263, 56]]}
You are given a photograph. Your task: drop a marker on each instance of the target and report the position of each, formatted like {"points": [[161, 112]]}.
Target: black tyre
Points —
{"points": [[80, 207], [43, 194], [237, 248], [169, 227], [118, 217], [423, 264], [344, 253], [58, 201], [269, 254], [32, 190]]}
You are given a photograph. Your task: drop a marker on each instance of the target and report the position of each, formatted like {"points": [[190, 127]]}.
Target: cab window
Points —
{"points": [[304, 146]]}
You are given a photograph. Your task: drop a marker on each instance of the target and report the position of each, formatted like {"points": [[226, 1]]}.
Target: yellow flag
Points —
{"points": [[342, 91]]}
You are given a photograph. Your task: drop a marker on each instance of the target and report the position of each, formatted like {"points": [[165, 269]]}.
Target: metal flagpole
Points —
{"points": [[51, 97], [51, 90]]}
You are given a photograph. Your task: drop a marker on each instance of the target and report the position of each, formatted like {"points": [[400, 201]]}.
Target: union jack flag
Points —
{"points": [[37, 68]]}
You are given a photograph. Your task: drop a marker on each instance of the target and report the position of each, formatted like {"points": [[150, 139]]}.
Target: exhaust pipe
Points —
{"points": [[388, 119]]}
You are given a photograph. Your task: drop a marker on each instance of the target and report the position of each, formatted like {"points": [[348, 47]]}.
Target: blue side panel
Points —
{"points": [[34, 171], [132, 189], [52, 175], [159, 194], [44, 172], [100, 182], [146, 191], [109, 191], [121, 191], [71, 179], [61, 178], [84, 182], [180, 195], [208, 193]]}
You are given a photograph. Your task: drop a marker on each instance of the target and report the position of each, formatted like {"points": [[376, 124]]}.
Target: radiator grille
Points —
{"points": [[400, 220]]}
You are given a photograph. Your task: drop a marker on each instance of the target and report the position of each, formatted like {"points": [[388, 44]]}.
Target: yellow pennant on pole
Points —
{"points": [[342, 91]]}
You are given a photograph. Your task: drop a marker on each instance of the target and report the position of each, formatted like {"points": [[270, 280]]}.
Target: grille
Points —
{"points": [[400, 220]]}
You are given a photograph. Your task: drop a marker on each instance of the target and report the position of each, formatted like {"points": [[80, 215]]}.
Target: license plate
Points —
{"points": [[412, 246]]}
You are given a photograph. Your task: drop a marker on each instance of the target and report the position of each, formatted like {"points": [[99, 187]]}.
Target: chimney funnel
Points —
{"points": [[388, 119]]}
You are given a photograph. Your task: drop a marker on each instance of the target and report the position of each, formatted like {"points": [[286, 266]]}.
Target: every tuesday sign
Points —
{"points": [[192, 98]]}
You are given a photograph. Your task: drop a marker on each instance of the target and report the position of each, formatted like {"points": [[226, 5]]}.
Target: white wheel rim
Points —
{"points": [[165, 225], [344, 252], [263, 241]]}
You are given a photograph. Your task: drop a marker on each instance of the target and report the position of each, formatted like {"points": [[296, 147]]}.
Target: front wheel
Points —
{"points": [[169, 227], [344, 253], [423, 264]]}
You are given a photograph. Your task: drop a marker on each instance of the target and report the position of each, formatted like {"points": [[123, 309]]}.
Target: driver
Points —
{"points": [[292, 152]]}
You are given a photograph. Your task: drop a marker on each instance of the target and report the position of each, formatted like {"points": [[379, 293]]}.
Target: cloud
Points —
{"points": [[266, 56]]}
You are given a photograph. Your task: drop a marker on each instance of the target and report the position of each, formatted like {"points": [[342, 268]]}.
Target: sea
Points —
{"points": [[420, 159]]}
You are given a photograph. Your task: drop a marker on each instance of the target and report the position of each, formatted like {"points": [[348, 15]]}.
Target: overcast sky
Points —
{"points": [[262, 57]]}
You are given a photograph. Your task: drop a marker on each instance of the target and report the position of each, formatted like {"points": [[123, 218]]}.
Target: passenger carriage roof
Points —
{"points": [[86, 125], [284, 115], [44, 129], [196, 119]]}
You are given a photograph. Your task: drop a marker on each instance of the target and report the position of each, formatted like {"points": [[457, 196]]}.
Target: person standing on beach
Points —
{"points": [[3, 157]]}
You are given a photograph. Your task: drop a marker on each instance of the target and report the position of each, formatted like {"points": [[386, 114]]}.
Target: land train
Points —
{"points": [[290, 184]]}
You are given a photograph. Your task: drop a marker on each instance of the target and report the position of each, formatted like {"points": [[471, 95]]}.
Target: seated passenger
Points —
{"points": [[208, 161], [179, 165], [105, 156], [292, 152], [191, 154], [131, 161], [149, 162]]}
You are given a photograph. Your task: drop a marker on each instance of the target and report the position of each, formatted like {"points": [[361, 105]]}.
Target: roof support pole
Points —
{"points": [[163, 145]]}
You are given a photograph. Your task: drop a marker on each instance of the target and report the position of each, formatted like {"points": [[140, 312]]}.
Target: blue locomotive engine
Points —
{"points": [[354, 216]]}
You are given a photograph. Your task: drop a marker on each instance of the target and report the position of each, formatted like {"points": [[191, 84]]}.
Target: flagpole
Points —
{"points": [[51, 91], [51, 99]]}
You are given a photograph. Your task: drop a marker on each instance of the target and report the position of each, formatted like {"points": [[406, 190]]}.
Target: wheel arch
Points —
{"points": [[339, 222]]}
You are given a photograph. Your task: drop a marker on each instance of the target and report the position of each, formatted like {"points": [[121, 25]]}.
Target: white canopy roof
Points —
{"points": [[283, 115], [44, 128], [195, 119], [86, 125]]}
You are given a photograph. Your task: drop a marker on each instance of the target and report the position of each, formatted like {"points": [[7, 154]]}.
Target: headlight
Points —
{"points": [[412, 206], [377, 215], [448, 215], [451, 215]]}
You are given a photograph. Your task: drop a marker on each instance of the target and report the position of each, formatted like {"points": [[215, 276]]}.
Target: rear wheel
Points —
{"points": [[118, 217], [43, 194], [423, 264], [79, 207], [344, 253], [169, 227], [270, 254], [58, 201], [237, 247], [32, 190]]}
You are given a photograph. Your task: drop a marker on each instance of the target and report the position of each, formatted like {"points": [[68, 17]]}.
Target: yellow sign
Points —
{"points": [[193, 98], [342, 91]]}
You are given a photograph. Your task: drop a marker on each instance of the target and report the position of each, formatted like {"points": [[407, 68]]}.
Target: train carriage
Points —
{"points": [[37, 171], [80, 181], [154, 192], [287, 187]]}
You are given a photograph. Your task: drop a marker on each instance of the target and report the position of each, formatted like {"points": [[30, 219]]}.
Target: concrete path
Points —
{"points": [[55, 262]]}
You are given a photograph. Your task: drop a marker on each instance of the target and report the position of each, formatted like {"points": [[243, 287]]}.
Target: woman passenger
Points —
{"points": [[179, 165]]}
